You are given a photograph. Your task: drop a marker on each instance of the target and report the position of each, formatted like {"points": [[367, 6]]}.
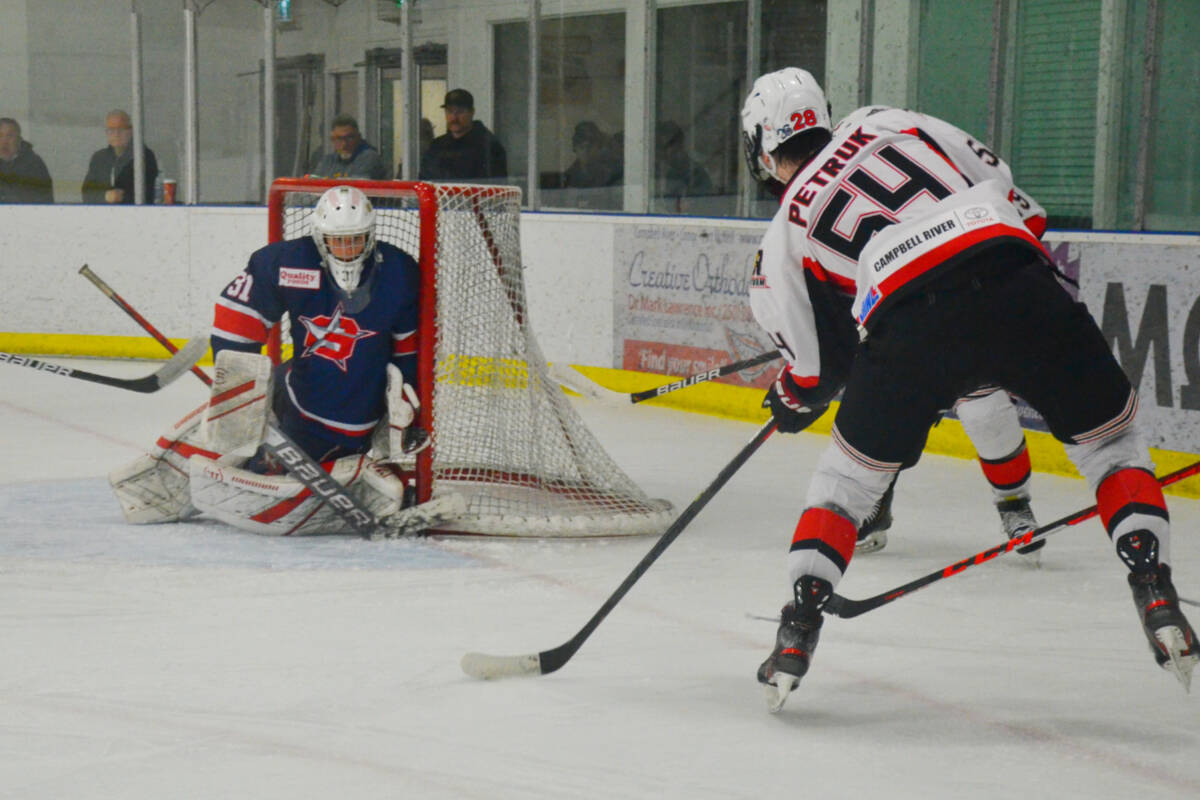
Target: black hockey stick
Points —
{"points": [[99, 283], [846, 608], [180, 363], [488, 667], [578, 382]]}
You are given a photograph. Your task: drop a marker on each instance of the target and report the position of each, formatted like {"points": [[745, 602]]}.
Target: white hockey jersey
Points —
{"points": [[894, 199]]}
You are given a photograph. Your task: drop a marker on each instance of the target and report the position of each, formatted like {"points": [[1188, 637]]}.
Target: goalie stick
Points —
{"points": [[406, 522], [846, 608], [489, 667], [578, 382], [99, 283], [180, 363]]}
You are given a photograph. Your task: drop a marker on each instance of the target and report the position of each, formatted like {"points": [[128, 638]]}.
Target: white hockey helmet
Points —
{"points": [[344, 211], [781, 105]]}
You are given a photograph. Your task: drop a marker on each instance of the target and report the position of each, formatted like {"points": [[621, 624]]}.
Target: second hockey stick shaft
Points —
{"points": [[701, 377], [846, 608], [99, 283]]}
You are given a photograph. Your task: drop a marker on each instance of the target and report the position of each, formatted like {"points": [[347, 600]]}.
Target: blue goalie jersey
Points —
{"points": [[333, 389]]}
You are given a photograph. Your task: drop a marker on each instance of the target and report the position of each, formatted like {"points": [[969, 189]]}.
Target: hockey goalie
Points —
{"points": [[346, 398]]}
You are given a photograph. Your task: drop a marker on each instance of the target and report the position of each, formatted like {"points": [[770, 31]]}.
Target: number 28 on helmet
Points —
{"points": [[781, 105]]}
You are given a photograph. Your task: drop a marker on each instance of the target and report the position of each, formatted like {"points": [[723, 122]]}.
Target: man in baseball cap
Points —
{"points": [[468, 151]]}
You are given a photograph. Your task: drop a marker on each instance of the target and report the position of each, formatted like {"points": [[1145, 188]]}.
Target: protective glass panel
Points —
{"points": [[581, 107], [700, 89]]}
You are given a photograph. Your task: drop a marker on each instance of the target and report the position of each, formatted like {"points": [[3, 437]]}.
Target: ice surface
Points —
{"points": [[195, 661]]}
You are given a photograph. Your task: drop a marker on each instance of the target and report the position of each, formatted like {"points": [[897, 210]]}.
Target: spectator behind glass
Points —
{"points": [[351, 157], [677, 176], [468, 150], [23, 175], [110, 172], [595, 172]]}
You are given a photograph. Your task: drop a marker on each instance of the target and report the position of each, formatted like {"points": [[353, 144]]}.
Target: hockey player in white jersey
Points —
{"points": [[987, 414], [952, 290]]}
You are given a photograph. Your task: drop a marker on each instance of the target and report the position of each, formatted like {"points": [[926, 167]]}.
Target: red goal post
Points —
{"points": [[503, 433]]}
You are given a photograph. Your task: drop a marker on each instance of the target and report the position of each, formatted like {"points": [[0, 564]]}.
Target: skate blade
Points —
{"points": [[1033, 559], [871, 543], [1173, 643], [777, 695]]}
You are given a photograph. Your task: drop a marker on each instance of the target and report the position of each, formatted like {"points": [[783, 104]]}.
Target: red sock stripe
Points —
{"points": [[834, 530], [1009, 472], [1125, 487]]}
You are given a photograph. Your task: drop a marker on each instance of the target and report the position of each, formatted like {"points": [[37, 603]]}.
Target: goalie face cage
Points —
{"points": [[503, 433]]}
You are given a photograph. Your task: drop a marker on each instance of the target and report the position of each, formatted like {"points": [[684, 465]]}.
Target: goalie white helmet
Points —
{"points": [[343, 227], [781, 105]]}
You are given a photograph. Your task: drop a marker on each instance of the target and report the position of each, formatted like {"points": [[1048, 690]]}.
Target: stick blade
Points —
{"points": [[484, 667], [577, 382], [182, 361]]}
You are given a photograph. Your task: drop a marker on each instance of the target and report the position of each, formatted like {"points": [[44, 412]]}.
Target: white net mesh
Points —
{"points": [[504, 434]]}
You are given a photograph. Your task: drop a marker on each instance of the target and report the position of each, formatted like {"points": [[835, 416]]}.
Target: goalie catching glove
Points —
{"points": [[403, 404], [785, 399]]}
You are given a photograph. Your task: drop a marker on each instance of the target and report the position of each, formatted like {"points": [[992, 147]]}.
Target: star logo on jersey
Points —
{"points": [[332, 337]]}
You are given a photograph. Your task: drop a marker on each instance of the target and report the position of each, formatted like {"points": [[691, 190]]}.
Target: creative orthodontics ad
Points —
{"points": [[681, 301], [681, 306]]}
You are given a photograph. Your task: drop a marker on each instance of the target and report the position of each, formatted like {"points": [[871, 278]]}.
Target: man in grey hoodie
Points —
{"points": [[351, 157]]}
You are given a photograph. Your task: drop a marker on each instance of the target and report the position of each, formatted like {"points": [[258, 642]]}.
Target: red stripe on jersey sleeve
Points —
{"points": [[405, 345], [1036, 225], [844, 284], [237, 323]]}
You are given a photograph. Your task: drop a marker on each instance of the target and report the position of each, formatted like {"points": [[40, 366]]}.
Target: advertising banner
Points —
{"points": [[681, 302], [681, 306]]}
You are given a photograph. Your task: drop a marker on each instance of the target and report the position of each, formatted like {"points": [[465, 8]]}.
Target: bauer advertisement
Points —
{"points": [[681, 306], [681, 301]]}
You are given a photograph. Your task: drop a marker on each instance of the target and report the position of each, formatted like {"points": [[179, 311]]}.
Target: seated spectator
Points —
{"points": [[677, 176], [351, 157], [595, 170], [23, 175], [110, 172], [468, 150]]}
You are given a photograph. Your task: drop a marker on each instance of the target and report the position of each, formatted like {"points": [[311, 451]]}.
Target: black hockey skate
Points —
{"points": [[1016, 518], [1171, 637], [799, 630], [872, 536]]}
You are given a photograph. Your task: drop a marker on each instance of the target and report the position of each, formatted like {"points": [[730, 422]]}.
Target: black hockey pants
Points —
{"points": [[1000, 318]]}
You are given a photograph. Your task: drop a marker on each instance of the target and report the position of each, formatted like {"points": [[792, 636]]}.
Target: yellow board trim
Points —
{"points": [[947, 437], [715, 399], [71, 344]]}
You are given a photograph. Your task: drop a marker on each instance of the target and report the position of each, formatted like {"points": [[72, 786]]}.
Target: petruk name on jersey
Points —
{"points": [[912, 242]]}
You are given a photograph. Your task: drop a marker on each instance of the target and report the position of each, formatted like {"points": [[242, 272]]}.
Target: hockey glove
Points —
{"points": [[791, 413]]}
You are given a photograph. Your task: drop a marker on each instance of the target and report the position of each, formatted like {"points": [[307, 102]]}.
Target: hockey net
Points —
{"points": [[503, 433]]}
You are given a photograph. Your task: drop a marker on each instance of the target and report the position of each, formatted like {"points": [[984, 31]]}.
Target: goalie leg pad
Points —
{"points": [[279, 505], [241, 394], [154, 487]]}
